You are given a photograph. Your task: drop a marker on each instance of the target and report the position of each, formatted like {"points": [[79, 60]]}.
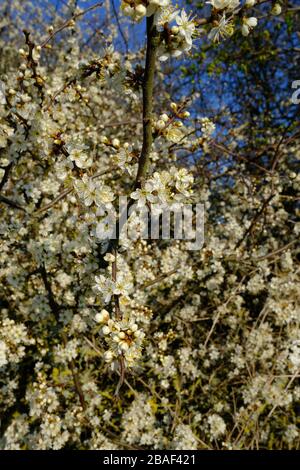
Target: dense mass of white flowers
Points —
{"points": [[152, 345]]}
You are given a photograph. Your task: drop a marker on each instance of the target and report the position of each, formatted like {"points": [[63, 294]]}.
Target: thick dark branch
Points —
{"points": [[153, 38], [52, 302], [148, 83], [6, 175]]}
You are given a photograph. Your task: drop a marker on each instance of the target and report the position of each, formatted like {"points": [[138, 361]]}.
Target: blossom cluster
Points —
{"points": [[165, 188], [178, 29], [179, 38], [13, 341], [124, 338]]}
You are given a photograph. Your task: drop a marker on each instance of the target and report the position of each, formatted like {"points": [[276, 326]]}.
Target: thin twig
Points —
{"points": [[158, 279], [65, 193], [119, 25], [5, 175], [11, 203], [254, 221], [219, 312], [276, 252], [68, 22]]}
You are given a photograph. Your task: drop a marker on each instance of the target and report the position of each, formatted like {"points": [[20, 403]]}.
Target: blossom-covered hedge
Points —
{"points": [[141, 343]]}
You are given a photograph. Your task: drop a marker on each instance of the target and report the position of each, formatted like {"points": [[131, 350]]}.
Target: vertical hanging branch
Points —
{"points": [[119, 317], [148, 83], [114, 278], [153, 38]]}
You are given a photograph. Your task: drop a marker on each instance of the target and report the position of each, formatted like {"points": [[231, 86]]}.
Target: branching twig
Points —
{"points": [[69, 22], [219, 312], [255, 220]]}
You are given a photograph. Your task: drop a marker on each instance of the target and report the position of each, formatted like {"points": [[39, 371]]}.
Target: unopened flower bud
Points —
{"points": [[102, 317], [116, 143], [108, 356], [124, 346], [252, 21], [164, 117], [160, 124], [141, 10], [250, 3], [276, 10], [106, 330], [109, 257]]}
